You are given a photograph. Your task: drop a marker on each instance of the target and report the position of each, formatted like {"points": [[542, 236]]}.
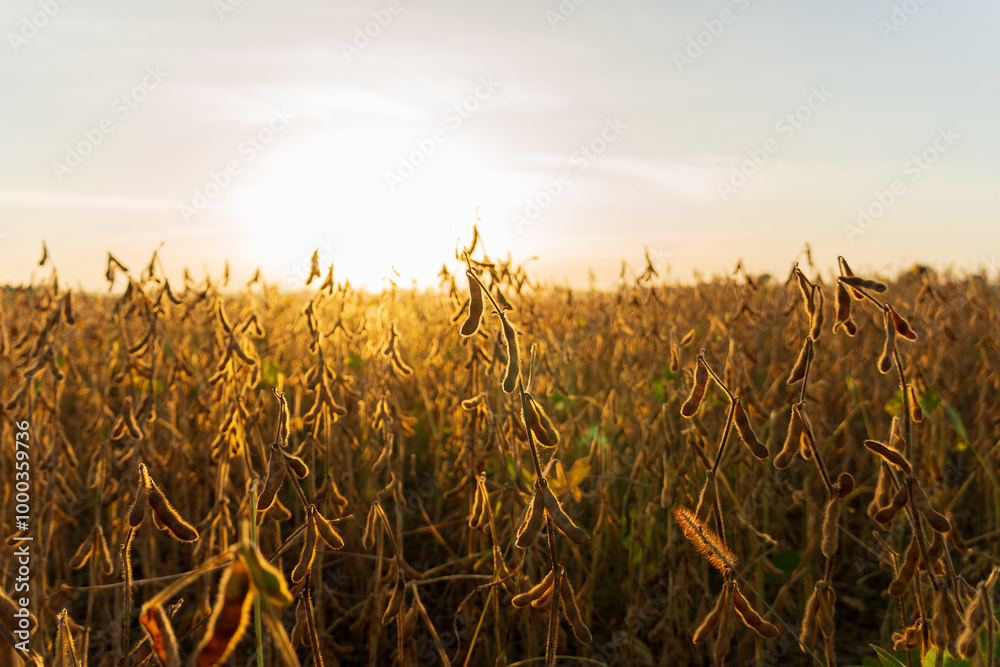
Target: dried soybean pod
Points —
{"points": [[688, 337], [901, 326], [806, 442], [975, 616], [308, 552], [885, 361], [229, 618], [532, 519], [165, 513], [817, 314], [513, 365], [471, 324], [368, 538], [791, 446], [916, 412], [805, 289], [886, 514], [103, 553], [934, 552], [275, 478], [883, 491], [937, 520], [713, 617], [572, 611], [752, 619], [801, 362], [535, 592], [854, 281], [82, 554], [691, 405], [746, 433], [675, 358], [825, 595], [296, 465], [831, 520], [395, 600], [845, 484], [326, 530], [562, 520], [540, 423], [477, 507], [807, 636], [889, 455], [843, 307], [161, 634]]}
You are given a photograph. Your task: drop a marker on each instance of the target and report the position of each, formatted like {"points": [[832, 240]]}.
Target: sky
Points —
{"points": [[577, 132]]}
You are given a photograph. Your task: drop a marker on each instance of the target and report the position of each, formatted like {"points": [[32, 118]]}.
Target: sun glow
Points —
{"points": [[342, 196]]}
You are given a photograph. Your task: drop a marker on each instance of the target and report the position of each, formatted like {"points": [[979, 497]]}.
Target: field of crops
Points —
{"points": [[501, 472]]}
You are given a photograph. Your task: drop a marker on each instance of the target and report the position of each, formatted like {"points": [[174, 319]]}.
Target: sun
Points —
{"points": [[335, 194]]}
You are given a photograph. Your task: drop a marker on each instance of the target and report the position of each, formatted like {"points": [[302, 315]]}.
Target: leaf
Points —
{"points": [[271, 373], [930, 660], [886, 658], [570, 480]]}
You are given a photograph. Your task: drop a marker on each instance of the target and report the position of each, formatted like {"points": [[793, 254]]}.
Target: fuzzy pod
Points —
{"points": [[885, 361], [901, 326], [807, 635], [916, 412], [471, 324], [746, 433], [532, 519], [816, 320], [937, 520], [395, 600], [906, 569], [752, 619], [513, 363], [138, 509], [326, 530], [561, 519], [712, 618], [296, 465], [831, 520], [784, 458], [539, 423], [691, 405], [103, 553], [308, 553], [889, 455], [167, 517], [83, 553], [801, 362], [535, 592], [843, 307], [572, 611], [845, 484], [371, 527], [275, 478], [862, 283], [888, 513]]}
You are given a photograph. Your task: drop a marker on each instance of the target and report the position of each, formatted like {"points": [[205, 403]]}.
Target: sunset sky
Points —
{"points": [[584, 131]]}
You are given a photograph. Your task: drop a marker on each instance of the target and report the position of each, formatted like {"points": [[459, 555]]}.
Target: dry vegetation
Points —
{"points": [[503, 471]]}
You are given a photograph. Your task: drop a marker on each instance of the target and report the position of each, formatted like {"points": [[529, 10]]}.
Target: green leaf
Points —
{"points": [[886, 658], [355, 363], [959, 426], [271, 372], [930, 660]]}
